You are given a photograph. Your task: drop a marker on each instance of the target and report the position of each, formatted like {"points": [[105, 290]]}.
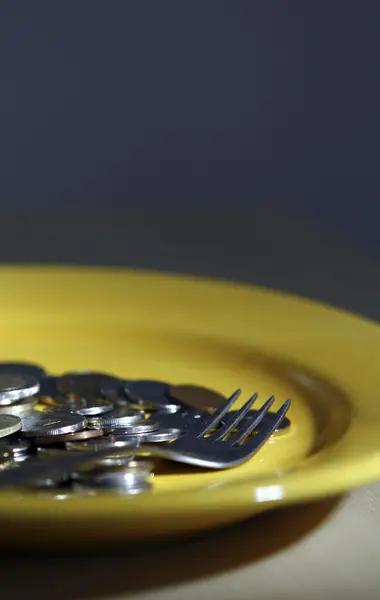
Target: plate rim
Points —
{"points": [[367, 469]]}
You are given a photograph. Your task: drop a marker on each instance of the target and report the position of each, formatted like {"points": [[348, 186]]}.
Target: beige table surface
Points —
{"points": [[329, 550]]}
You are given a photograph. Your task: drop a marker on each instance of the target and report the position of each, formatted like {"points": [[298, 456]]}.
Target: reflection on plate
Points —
{"points": [[213, 334]]}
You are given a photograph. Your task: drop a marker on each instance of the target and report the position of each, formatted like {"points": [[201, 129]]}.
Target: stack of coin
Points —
{"points": [[18, 389], [43, 417]]}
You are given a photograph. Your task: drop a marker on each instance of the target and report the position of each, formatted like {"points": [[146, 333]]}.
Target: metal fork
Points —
{"points": [[203, 444]]}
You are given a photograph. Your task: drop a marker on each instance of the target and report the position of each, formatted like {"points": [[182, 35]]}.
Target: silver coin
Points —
{"points": [[134, 430], [116, 463], [101, 444], [178, 420], [162, 435], [44, 466], [110, 462], [23, 369], [22, 408], [122, 482], [139, 389], [84, 384], [20, 458], [113, 389], [48, 387], [141, 466], [32, 421], [14, 387], [151, 395], [133, 420], [6, 455], [122, 416], [17, 445], [103, 470], [88, 406], [82, 435], [34, 418], [49, 395], [125, 486], [53, 423], [9, 424]]}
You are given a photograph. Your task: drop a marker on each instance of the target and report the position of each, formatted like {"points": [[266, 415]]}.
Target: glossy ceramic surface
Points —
{"points": [[197, 331]]}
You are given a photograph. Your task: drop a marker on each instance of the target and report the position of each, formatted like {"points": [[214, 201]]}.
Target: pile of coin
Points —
{"points": [[43, 416]]}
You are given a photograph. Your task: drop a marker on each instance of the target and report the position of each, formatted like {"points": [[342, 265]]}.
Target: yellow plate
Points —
{"points": [[187, 330]]}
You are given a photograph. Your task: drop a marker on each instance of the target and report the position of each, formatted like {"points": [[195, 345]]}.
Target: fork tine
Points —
{"points": [[265, 433], [222, 432], [239, 436], [218, 415]]}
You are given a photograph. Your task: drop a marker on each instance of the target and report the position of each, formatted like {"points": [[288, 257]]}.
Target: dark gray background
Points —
{"points": [[228, 138]]}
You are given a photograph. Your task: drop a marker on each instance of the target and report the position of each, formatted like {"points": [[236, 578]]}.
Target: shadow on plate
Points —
{"points": [[105, 575]]}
